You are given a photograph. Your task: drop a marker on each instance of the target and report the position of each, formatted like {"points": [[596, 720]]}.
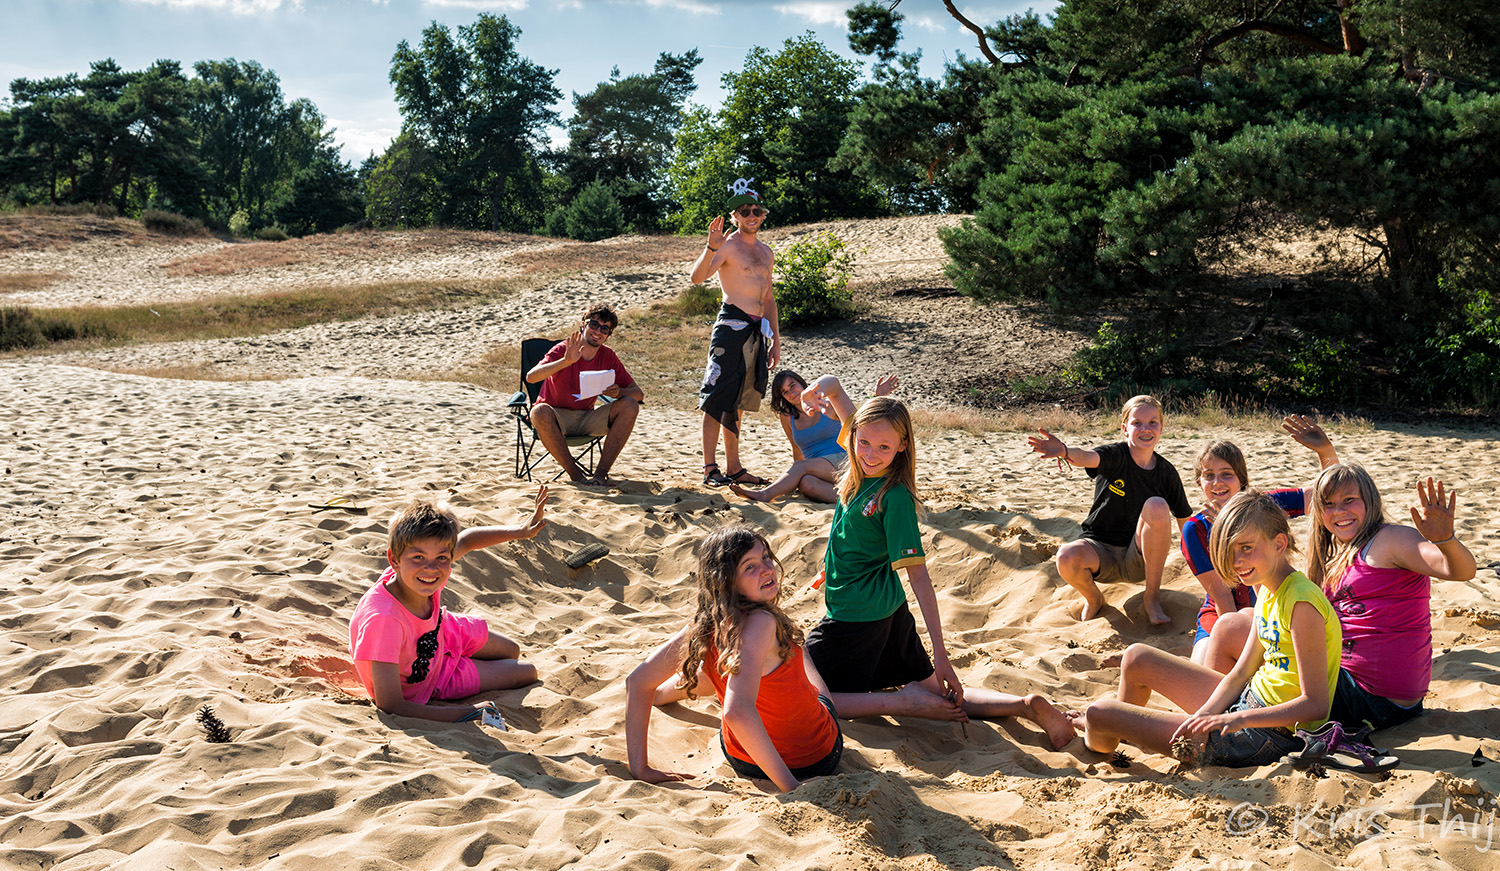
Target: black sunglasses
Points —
{"points": [[601, 329]]}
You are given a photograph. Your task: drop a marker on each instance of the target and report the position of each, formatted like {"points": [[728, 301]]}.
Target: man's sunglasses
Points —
{"points": [[601, 329], [748, 211]]}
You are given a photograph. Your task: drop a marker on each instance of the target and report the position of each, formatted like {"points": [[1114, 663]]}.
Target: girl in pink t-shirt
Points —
{"points": [[406, 647], [1378, 576]]}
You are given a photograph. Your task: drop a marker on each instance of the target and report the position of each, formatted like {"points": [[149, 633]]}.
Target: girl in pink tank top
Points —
{"points": [[1378, 576]]}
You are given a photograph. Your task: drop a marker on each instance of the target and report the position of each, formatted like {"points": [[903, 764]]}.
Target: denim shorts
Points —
{"points": [[1355, 706], [1250, 748]]}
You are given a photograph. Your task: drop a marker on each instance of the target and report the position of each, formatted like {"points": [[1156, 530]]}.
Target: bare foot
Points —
{"points": [[1155, 614], [752, 495], [921, 703], [1087, 610], [1058, 726]]}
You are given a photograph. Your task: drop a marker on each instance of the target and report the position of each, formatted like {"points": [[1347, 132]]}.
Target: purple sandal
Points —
{"points": [[1330, 746]]}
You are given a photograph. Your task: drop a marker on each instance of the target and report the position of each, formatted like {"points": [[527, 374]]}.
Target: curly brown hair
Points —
{"points": [[721, 613]]}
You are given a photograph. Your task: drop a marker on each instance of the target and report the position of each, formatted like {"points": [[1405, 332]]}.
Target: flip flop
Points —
{"points": [[1331, 747], [585, 555], [341, 503], [743, 476]]}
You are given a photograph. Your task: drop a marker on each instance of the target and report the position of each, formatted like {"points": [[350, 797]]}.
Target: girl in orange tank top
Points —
{"points": [[778, 722]]}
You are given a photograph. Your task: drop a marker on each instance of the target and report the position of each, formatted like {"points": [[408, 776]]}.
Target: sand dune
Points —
{"points": [[161, 554]]}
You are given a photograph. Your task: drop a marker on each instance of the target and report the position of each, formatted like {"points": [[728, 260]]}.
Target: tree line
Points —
{"points": [[224, 145], [1120, 159]]}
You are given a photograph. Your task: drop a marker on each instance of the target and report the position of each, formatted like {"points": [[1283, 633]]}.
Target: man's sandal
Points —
{"points": [[715, 478], [1331, 747], [744, 478]]}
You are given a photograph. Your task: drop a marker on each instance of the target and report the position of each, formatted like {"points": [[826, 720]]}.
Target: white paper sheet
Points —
{"points": [[593, 383]]}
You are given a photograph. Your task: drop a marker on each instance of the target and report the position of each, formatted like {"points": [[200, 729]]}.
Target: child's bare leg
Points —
{"points": [[786, 483], [1077, 561], [1226, 642], [500, 666], [991, 704], [1144, 669], [818, 489], [1109, 721], [1153, 535], [912, 700]]}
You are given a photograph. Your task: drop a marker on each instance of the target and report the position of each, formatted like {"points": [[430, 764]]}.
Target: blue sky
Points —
{"points": [[337, 53]]}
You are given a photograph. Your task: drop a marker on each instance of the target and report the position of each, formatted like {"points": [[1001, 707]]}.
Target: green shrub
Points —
{"points": [[171, 223], [1459, 361], [22, 328], [557, 223], [19, 329], [272, 233], [814, 281], [595, 214], [239, 223], [1134, 358], [699, 300]]}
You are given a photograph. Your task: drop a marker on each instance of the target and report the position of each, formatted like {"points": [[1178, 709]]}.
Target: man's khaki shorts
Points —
{"points": [[594, 422], [1119, 563]]}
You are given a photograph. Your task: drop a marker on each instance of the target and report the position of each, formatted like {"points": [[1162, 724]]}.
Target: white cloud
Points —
{"points": [[237, 7], [502, 5], [356, 143], [929, 23], [817, 11], [693, 6]]}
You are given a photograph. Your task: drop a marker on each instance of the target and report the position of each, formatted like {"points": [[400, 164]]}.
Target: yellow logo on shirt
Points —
{"points": [[1117, 486]]}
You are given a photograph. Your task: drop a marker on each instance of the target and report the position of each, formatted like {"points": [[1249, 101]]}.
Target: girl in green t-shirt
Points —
{"points": [[868, 639]]}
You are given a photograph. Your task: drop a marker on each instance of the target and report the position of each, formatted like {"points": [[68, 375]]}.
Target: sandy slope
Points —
{"points": [[160, 554]]}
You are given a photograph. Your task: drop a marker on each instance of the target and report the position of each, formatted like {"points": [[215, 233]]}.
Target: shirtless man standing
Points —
{"points": [[746, 340]]}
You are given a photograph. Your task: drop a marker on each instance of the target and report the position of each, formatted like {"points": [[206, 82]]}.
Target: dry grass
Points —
{"points": [[230, 316], [610, 254], [192, 372], [498, 370], [15, 282], [231, 258], [234, 258], [27, 232]]}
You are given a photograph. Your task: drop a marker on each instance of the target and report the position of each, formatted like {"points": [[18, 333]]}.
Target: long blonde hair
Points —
{"points": [[903, 467], [1246, 511], [722, 611], [1327, 557]]}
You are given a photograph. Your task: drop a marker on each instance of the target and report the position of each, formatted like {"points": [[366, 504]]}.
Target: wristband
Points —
{"points": [[710, 247], [1444, 541]]}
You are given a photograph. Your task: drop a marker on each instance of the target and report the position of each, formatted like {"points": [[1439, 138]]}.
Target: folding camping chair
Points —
{"points": [[529, 452]]}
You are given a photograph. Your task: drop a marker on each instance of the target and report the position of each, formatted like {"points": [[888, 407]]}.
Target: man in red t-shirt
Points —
{"points": [[561, 411]]}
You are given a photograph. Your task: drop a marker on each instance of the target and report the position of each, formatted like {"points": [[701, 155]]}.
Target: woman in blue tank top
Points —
{"points": [[812, 416]]}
